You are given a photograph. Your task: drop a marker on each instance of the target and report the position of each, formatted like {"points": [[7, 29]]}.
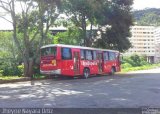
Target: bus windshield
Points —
{"points": [[49, 51]]}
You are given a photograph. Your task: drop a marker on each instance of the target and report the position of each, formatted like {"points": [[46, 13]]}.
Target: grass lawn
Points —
{"points": [[38, 76], [145, 67], [20, 77], [10, 77]]}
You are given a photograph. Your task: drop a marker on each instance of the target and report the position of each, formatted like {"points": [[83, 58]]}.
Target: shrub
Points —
{"points": [[126, 65], [20, 70], [1, 72], [13, 71], [36, 69], [135, 60]]}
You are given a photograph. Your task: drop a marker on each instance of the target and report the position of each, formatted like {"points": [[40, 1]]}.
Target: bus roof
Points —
{"points": [[73, 46]]}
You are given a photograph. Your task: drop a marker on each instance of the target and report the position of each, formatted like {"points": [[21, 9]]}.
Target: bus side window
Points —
{"points": [[82, 54], [66, 53], [112, 56], [94, 55], [88, 55], [105, 56]]}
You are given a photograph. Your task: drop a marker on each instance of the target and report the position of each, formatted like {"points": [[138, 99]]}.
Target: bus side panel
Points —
{"points": [[94, 67], [107, 66], [67, 67], [88, 59], [111, 60], [91, 64]]}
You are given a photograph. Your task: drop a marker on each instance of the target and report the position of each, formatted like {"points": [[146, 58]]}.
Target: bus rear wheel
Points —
{"points": [[86, 73], [112, 71]]}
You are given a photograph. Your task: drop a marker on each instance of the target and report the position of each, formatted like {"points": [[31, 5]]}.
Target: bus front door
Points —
{"points": [[76, 60]]}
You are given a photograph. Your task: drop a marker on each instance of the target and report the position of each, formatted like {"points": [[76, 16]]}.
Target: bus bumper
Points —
{"points": [[58, 71]]}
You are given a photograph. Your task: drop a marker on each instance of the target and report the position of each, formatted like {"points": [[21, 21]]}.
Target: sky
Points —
{"points": [[142, 4], [138, 5]]}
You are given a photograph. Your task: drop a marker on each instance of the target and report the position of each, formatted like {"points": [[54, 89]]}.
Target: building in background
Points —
{"points": [[143, 42], [157, 44]]}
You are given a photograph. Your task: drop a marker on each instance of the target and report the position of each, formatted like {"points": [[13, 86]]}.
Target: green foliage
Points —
{"points": [[1, 72], [36, 69], [9, 56], [71, 36], [9, 71], [147, 17], [38, 76], [126, 65], [116, 17], [7, 48], [13, 71], [134, 61], [20, 70], [9, 77], [144, 67]]}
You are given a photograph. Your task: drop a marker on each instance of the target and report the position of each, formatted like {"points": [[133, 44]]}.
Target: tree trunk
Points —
{"points": [[84, 29], [28, 68], [90, 40]]}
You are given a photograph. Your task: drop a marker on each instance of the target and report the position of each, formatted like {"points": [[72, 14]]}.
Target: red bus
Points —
{"points": [[68, 60]]}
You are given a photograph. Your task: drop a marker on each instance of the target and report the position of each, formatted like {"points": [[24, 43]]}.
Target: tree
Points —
{"points": [[81, 13], [72, 36], [30, 23], [8, 52], [114, 20], [147, 17]]}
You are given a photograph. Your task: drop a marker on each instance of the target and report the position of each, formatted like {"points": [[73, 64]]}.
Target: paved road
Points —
{"points": [[136, 89]]}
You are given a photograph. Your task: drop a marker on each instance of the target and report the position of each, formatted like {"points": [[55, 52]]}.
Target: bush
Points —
{"points": [[20, 70], [135, 60], [13, 71], [1, 72], [126, 65], [36, 69]]}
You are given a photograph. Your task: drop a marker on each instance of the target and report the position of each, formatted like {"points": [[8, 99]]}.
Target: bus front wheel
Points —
{"points": [[86, 73]]}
